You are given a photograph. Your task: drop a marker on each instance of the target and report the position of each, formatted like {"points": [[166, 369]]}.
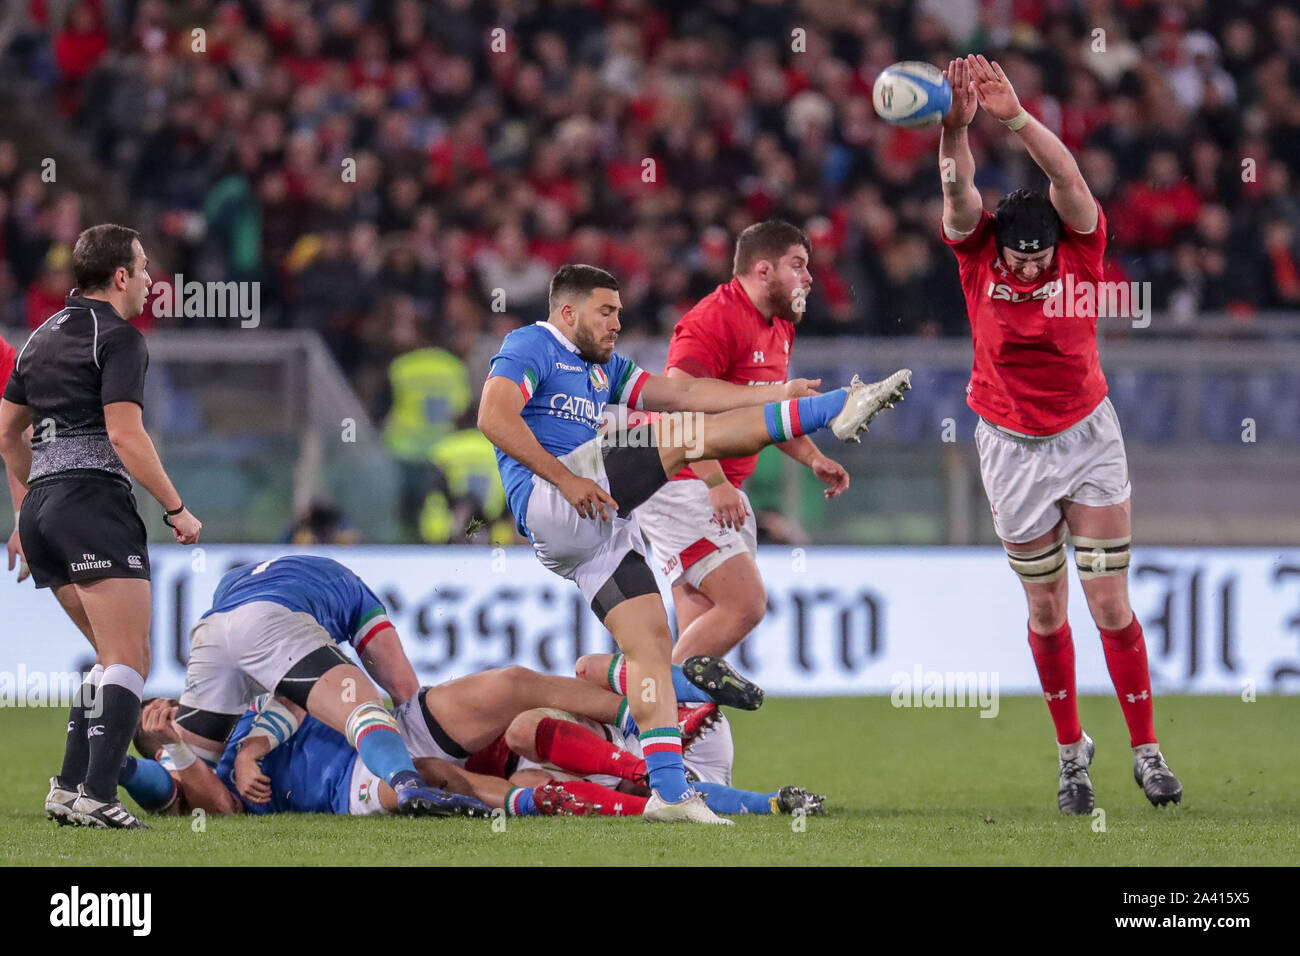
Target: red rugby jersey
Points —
{"points": [[7, 355], [725, 336], [1033, 373]]}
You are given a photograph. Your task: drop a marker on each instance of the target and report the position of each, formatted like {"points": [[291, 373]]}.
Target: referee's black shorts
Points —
{"points": [[81, 529]]}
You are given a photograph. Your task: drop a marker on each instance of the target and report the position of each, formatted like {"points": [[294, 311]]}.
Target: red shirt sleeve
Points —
{"points": [[701, 346], [968, 249], [1089, 248], [7, 355]]}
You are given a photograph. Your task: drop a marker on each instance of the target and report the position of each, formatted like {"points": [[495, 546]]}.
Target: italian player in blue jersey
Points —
{"points": [[276, 627], [280, 760], [573, 491]]}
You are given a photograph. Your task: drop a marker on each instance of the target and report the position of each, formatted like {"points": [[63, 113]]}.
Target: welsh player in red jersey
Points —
{"points": [[1051, 454], [700, 525]]}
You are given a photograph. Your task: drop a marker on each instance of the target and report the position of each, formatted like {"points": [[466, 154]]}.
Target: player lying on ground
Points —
{"points": [[1051, 453], [548, 745], [452, 720], [545, 397], [700, 524], [477, 709], [275, 628], [281, 760]]}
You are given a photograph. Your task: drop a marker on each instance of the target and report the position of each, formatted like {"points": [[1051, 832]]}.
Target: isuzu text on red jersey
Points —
{"points": [[1032, 373], [725, 336]]}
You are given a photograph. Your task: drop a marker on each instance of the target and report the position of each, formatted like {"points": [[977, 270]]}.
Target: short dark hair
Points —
{"points": [[767, 240], [1026, 221], [99, 252], [578, 280]]}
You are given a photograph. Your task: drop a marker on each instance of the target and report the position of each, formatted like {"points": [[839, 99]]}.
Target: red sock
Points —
{"points": [[1054, 657], [576, 749], [612, 803], [1126, 659]]}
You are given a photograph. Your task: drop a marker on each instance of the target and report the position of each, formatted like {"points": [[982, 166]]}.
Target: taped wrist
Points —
{"points": [[274, 721]]}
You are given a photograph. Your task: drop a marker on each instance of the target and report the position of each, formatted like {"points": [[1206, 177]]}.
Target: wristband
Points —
{"points": [[1017, 122], [181, 755], [168, 515], [715, 480]]}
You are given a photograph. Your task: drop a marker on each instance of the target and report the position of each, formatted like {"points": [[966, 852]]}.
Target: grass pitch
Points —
{"points": [[905, 786]]}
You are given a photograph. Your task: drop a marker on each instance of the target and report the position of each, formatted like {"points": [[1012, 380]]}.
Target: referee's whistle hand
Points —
{"points": [[186, 528]]}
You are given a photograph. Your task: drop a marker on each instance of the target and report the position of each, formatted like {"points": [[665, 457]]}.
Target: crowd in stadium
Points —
{"points": [[381, 181]]}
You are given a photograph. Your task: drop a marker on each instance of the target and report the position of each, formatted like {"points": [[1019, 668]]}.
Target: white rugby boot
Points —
{"points": [[866, 401]]}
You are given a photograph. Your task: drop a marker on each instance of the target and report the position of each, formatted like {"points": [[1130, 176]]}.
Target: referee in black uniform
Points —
{"points": [[79, 380]]}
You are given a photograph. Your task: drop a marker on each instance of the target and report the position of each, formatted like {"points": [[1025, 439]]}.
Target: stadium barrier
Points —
{"points": [[850, 621]]}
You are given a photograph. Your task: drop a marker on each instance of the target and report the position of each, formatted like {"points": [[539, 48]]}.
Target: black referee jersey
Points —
{"points": [[79, 521], [79, 360]]}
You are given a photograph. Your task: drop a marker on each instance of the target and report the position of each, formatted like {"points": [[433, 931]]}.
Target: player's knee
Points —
{"points": [[521, 735], [1047, 612], [587, 666], [1110, 612]]}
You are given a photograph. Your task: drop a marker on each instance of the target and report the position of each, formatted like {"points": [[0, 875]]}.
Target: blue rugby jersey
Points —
{"points": [[331, 593], [565, 398], [311, 772]]}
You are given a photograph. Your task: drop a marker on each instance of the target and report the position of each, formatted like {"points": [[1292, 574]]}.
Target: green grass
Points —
{"points": [[906, 786]]}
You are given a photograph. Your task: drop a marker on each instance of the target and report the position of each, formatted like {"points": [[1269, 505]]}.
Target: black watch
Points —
{"points": [[168, 515]]}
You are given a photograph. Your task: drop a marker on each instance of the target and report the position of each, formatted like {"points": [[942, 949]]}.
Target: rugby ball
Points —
{"points": [[911, 94]]}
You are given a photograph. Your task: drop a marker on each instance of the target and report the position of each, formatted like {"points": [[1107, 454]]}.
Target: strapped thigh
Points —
{"points": [[1101, 557], [1041, 565]]}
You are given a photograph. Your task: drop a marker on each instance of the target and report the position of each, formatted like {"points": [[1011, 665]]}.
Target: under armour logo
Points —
{"points": [[758, 356], [95, 730], [1028, 244], [1060, 695], [1134, 698]]}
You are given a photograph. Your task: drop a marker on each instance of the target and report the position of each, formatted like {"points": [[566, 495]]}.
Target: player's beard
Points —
{"points": [[589, 348], [781, 300]]}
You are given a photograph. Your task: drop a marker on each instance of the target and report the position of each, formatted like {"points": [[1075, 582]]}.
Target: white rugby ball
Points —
{"points": [[911, 94]]}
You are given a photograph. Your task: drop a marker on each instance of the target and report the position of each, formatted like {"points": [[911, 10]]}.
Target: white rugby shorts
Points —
{"points": [[237, 655], [1026, 479], [687, 541], [585, 550]]}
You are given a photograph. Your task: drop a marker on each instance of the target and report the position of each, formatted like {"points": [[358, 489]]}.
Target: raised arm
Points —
{"points": [[1069, 192], [962, 205]]}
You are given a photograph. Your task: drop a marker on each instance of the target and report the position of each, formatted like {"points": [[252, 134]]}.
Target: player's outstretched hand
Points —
{"points": [[589, 498], [964, 100], [993, 89], [728, 506], [16, 555], [831, 474], [253, 785], [802, 387], [186, 528]]}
